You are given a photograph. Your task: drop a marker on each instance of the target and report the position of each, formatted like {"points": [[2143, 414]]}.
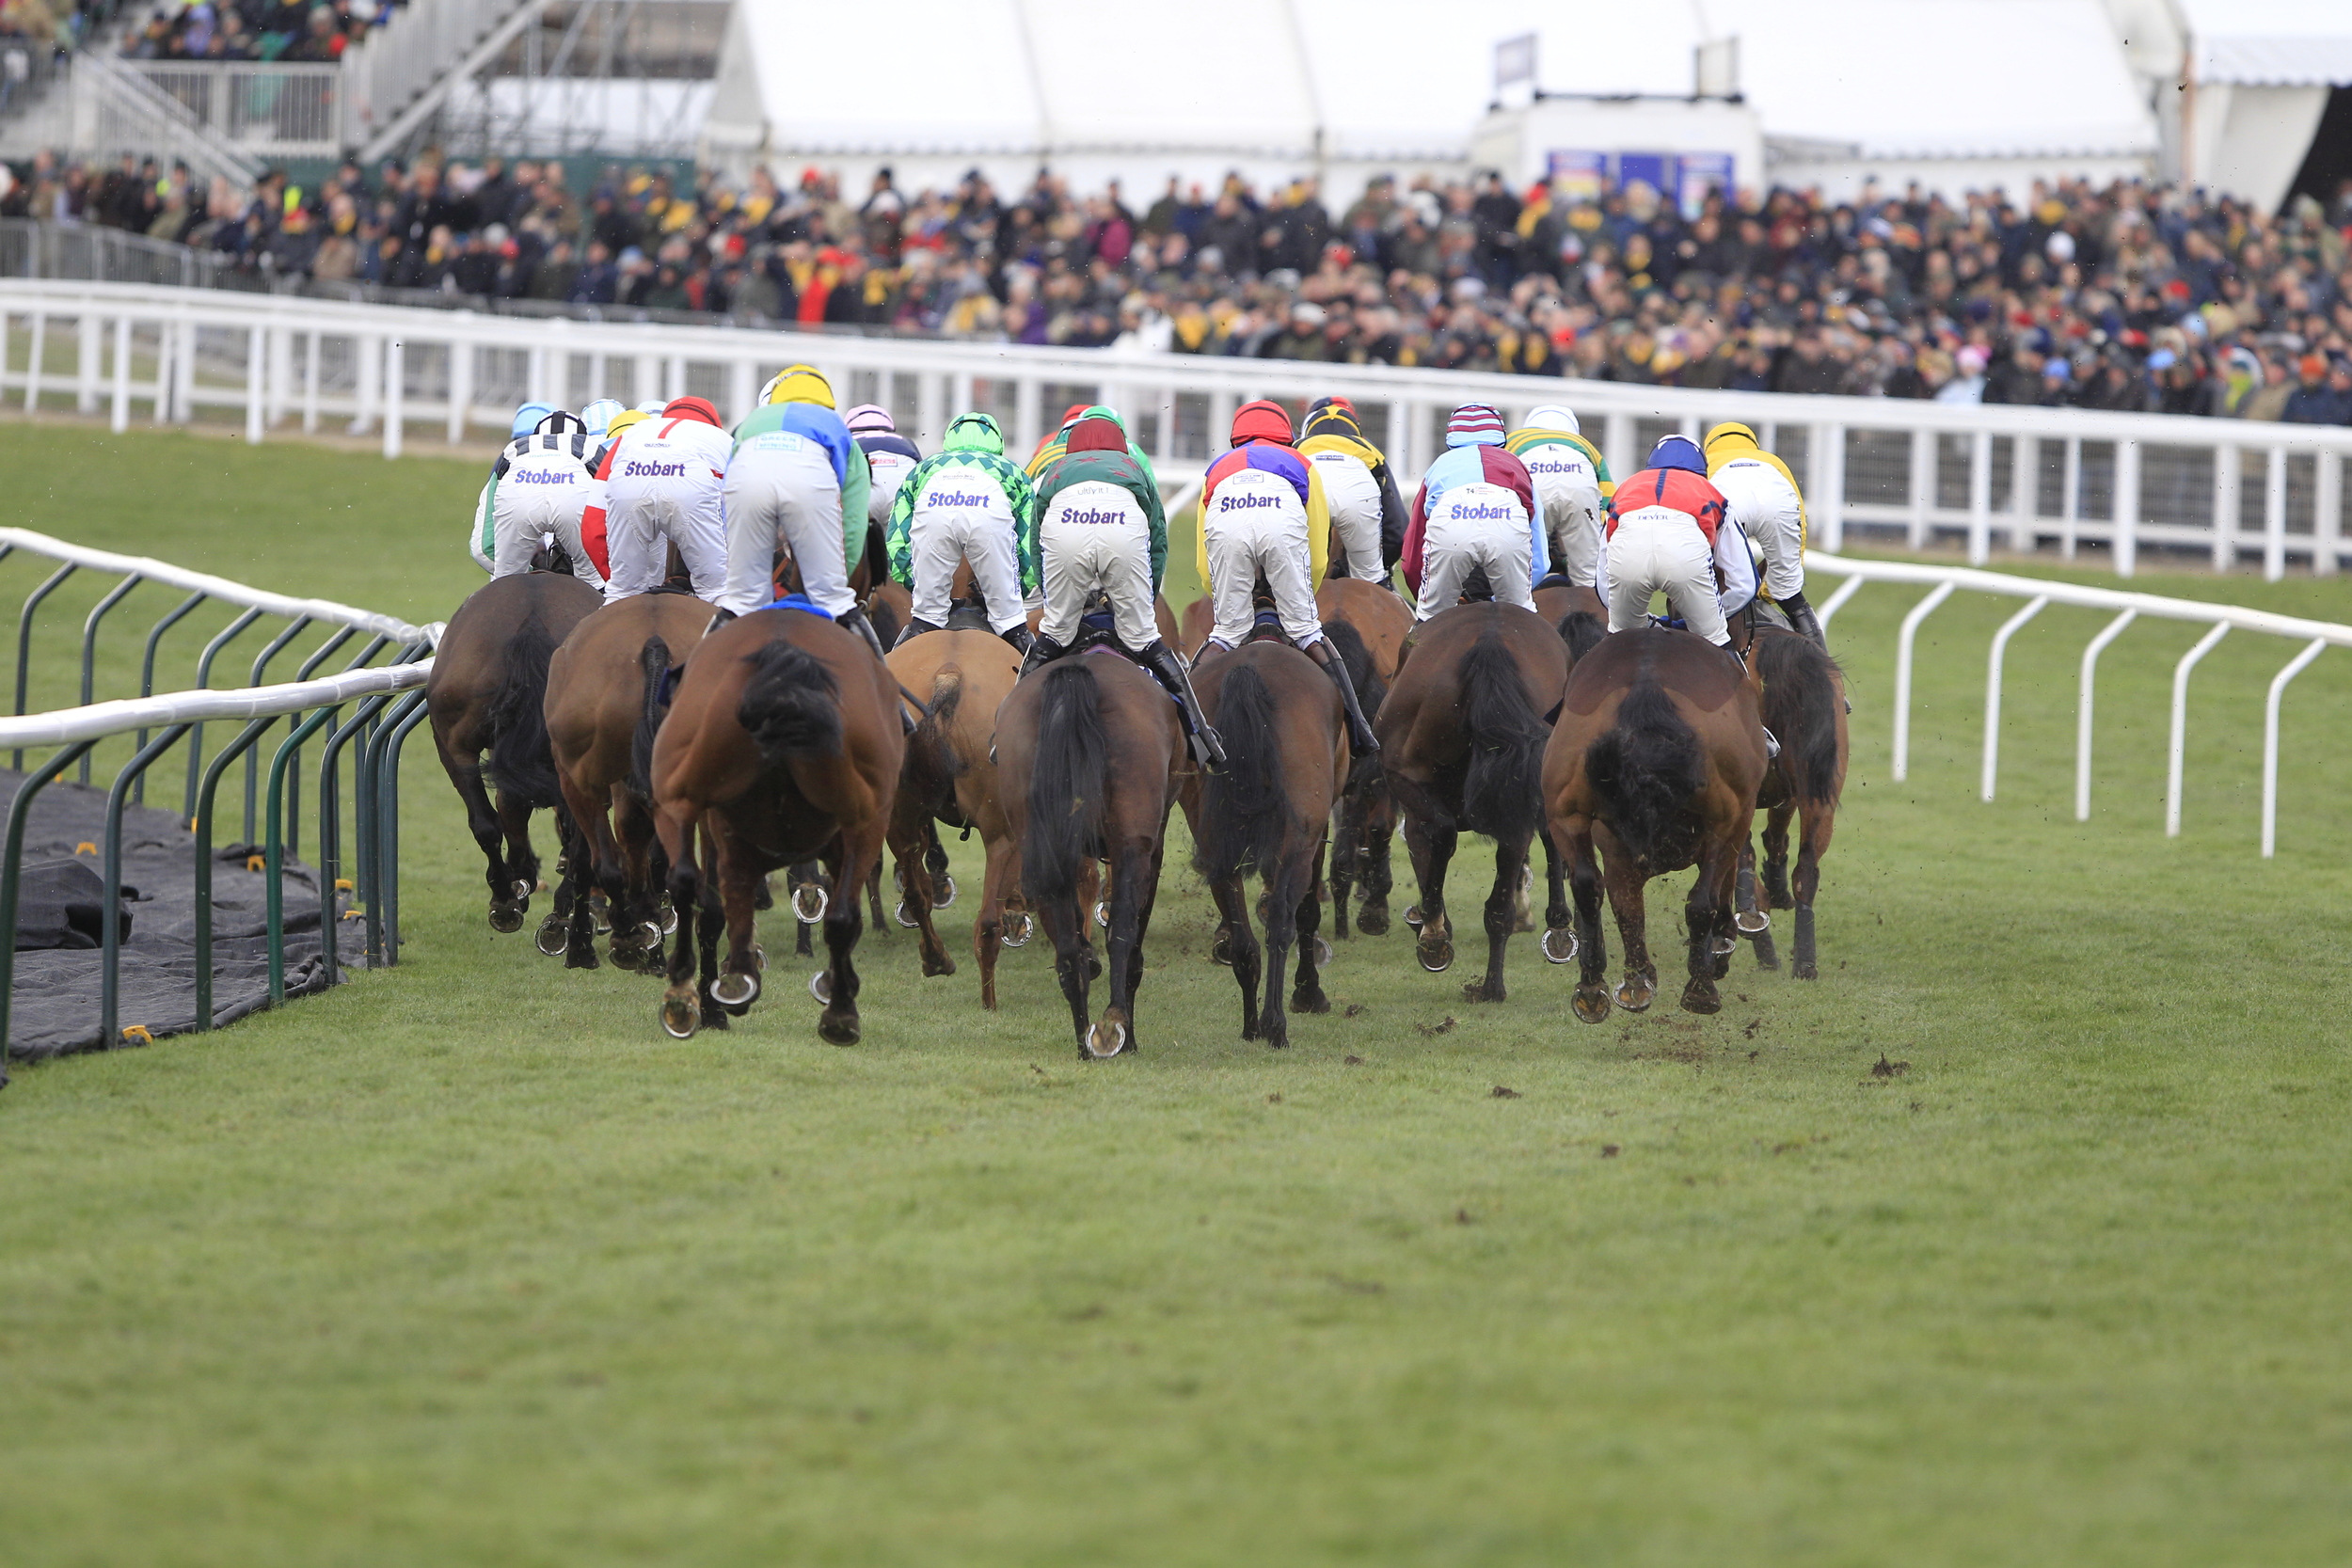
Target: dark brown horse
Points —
{"points": [[1559, 600], [964, 677], [783, 744], [1462, 737], [1656, 759], [1805, 708], [1100, 745], [484, 696], [1287, 762], [1369, 626], [600, 729]]}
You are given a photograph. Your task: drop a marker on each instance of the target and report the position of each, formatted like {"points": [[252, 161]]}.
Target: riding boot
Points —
{"points": [[1802, 617], [717, 618], [1043, 650], [853, 620], [914, 628], [1320, 650], [1019, 636], [1208, 748]]}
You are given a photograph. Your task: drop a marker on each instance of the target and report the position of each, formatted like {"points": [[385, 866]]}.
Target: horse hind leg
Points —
{"points": [[681, 1001], [1431, 839], [1705, 914], [844, 922], [1064, 921], [1819, 821], [1347, 844], [1378, 876], [1505, 904], [1775, 869], [1241, 948], [988, 926], [1307, 989], [1591, 1001], [1626, 889], [522, 861], [699, 925], [1133, 872], [481, 821], [1751, 922]]}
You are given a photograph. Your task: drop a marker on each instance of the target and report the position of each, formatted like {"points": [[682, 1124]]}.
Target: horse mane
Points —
{"points": [[1245, 811], [1647, 766], [791, 704], [521, 761], [1801, 702], [1502, 787], [1066, 782], [1582, 630]]}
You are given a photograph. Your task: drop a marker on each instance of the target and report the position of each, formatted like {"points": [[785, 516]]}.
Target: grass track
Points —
{"points": [[466, 1265]]}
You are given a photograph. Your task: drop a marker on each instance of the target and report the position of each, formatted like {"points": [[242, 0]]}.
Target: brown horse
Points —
{"points": [[1805, 708], [1101, 746], [1462, 737], [1370, 626], [782, 743], [964, 677], [1656, 759], [1287, 762], [483, 695], [1558, 601], [600, 722]]}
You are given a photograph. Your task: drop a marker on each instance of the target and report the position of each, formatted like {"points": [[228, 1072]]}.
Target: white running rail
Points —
{"points": [[64, 726], [1944, 582]]}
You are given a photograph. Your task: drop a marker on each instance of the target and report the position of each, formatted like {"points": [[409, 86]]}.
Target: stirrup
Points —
{"points": [[1772, 745], [717, 618]]}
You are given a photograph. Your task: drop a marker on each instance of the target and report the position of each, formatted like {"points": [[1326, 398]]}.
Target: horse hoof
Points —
{"points": [[669, 919], [506, 918], [1106, 1040], [1221, 949], [649, 935], [904, 919], [1310, 1002], [1323, 954], [1635, 995], [1804, 971], [553, 937], [1752, 921], [716, 1017], [681, 1018], [809, 903], [943, 892], [1094, 964], [523, 890], [585, 958], [600, 917], [735, 991], [1699, 996], [1028, 929], [1591, 1003], [1721, 946], [821, 986], [1102, 913], [837, 1031], [1413, 916], [1435, 959], [1560, 945], [1373, 920]]}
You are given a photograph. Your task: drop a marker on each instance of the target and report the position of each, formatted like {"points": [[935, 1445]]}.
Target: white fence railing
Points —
{"points": [[2316, 637], [1889, 470], [283, 110]]}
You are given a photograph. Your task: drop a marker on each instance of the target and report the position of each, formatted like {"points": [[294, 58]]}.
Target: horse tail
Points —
{"points": [[928, 747], [791, 704], [1645, 768], [1501, 788], [1582, 630], [884, 617], [521, 761], [653, 660], [1066, 784], [1370, 691], [1801, 702], [1244, 811]]}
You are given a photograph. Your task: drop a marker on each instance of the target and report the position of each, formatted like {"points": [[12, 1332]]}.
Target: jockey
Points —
{"points": [[1365, 506], [1667, 528], [1262, 514], [889, 457], [599, 416], [967, 502], [539, 492], [481, 530], [661, 487], [797, 483], [1476, 509], [1569, 475], [1056, 445], [1762, 497], [1096, 523]]}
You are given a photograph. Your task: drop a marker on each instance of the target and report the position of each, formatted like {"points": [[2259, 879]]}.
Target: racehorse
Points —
{"points": [[1287, 762], [1369, 626], [1804, 706], [1557, 601], [1101, 746], [964, 677], [600, 725], [782, 743], [1656, 758], [1462, 737], [483, 695]]}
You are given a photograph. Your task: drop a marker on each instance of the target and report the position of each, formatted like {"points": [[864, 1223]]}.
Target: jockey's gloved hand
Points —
{"points": [[1801, 616]]}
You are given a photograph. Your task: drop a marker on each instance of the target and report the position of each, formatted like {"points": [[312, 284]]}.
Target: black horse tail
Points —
{"points": [[1502, 787], [1370, 691], [1647, 766], [881, 617], [521, 762], [791, 705], [1582, 630], [1244, 811], [1800, 702], [1066, 784], [653, 660]]}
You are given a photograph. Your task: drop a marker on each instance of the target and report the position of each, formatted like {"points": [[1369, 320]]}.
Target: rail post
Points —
{"points": [[1992, 686], [24, 639], [274, 855], [203, 680], [110, 956], [2296, 666], [90, 646], [405, 716], [203, 819], [294, 787], [2275, 517], [147, 671], [1910, 634], [260, 663], [330, 812], [19, 810], [2083, 706], [2179, 746]]}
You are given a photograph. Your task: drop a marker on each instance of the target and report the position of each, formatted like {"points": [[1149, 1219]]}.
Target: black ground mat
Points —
{"points": [[55, 1010]]}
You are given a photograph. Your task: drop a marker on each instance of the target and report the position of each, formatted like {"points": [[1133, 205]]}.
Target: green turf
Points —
{"points": [[466, 1263]]}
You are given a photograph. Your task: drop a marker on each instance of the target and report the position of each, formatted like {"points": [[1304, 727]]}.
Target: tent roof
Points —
{"points": [[2271, 42]]}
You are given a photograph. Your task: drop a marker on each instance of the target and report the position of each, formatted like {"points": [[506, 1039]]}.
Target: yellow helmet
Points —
{"points": [[1734, 432], [798, 384], [622, 420]]}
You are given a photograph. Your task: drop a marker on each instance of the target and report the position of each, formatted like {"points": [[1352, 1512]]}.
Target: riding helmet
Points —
{"points": [[1679, 451], [1261, 420], [527, 417]]}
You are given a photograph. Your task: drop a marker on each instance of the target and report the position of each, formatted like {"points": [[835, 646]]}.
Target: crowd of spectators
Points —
{"points": [[308, 30], [2128, 298]]}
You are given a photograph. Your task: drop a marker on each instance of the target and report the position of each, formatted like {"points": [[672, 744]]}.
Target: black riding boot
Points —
{"points": [[914, 628], [717, 618], [1808, 623], [1208, 748], [1043, 650], [1321, 651], [1019, 636]]}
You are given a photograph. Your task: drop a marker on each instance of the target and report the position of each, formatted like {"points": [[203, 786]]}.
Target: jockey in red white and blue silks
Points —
{"points": [[1668, 529], [1476, 510], [661, 484]]}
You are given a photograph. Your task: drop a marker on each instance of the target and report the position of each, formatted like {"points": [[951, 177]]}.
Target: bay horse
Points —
{"points": [[1102, 751], [962, 678], [604, 704], [781, 744], [1805, 708], [1462, 736], [489, 673], [1287, 759], [1556, 601], [1655, 760], [1368, 627]]}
